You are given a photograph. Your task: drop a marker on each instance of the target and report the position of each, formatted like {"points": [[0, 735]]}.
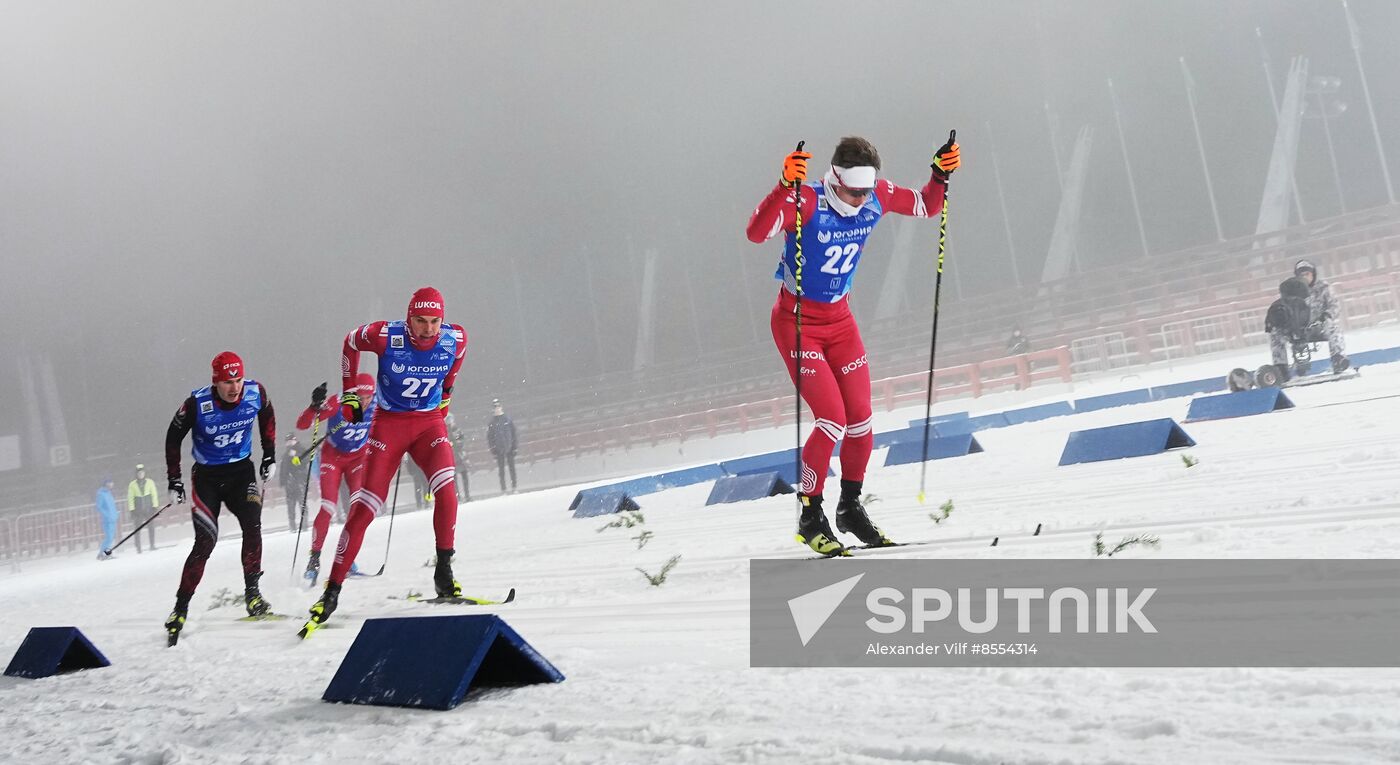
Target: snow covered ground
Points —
{"points": [[661, 673]]}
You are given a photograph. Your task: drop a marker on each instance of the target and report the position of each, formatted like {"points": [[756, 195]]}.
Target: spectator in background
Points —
{"points": [[500, 437], [141, 501], [464, 465], [1017, 343], [107, 509], [293, 480], [422, 495]]}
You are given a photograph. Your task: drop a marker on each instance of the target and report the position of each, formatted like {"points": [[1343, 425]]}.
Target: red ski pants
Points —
{"points": [[335, 466], [423, 436], [835, 385]]}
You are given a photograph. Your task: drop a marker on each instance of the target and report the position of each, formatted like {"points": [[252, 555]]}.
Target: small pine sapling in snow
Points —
{"points": [[1189, 461], [625, 520], [944, 510], [1102, 550], [225, 597], [643, 538], [660, 578]]}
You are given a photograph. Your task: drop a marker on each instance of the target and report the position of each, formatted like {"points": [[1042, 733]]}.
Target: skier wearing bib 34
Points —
{"points": [[222, 419], [838, 215], [342, 457], [418, 363]]}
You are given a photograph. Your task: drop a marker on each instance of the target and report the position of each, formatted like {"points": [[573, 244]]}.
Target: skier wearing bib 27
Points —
{"points": [[342, 458], [222, 419], [418, 363], [838, 215]]}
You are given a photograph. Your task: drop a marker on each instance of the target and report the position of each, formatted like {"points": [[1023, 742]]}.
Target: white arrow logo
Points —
{"points": [[810, 611]]}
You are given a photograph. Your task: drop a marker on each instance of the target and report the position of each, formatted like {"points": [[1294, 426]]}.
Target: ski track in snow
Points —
{"points": [[661, 673]]}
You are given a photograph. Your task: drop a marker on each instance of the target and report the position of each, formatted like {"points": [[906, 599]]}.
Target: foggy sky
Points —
{"points": [[180, 178]]}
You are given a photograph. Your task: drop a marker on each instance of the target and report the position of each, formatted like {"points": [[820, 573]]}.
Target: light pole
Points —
{"points": [[1005, 217], [1201, 147], [1366, 91], [1326, 109], [1132, 186]]}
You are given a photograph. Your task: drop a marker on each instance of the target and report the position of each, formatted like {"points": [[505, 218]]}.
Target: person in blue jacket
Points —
{"points": [[107, 509]]}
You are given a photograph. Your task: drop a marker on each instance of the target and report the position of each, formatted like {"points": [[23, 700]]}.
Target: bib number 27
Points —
{"points": [[833, 255], [418, 387]]}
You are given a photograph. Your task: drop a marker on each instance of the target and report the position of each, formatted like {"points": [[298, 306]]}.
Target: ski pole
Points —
{"points": [[393, 505], [933, 341], [305, 493], [797, 242], [143, 525]]}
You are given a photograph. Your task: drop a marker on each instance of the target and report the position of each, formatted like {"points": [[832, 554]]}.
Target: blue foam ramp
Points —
{"points": [[1135, 439], [431, 662], [54, 650], [943, 447], [1036, 413], [1240, 404], [784, 463], [740, 488], [971, 424], [651, 484], [1108, 401], [891, 437], [603, 503], [1378, 356], [937, 418], [1191, 387]]}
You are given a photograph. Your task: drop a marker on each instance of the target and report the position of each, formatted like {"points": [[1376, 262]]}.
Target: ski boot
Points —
{"points": [[176, 621], [322, 609], [813, 529], [446, 586], [257, 604], [313, 568], [1340, 363], [851, 517]]}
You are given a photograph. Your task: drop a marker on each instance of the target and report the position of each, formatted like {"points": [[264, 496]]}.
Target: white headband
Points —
{"points": [[862, 177]]}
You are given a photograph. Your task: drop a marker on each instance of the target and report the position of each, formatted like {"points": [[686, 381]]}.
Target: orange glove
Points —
{"points": [[947, 159], [795, 168]]}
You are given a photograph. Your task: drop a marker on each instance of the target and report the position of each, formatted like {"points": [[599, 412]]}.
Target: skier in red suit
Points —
{"points": [[418, 363], [342, 457], [838, 215]]}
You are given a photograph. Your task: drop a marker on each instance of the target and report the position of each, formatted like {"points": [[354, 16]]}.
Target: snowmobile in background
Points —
{"points": [[1291, 314]]}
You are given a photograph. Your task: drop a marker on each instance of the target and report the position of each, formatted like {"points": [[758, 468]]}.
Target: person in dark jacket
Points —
{"points": [[464, 463], [500, 437], [293, 480], [1017, 342], [1325, 313]]}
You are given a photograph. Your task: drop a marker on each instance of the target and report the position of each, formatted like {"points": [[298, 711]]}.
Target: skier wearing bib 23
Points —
{"points": [[342, 457], [418, 363], [838, 215]]}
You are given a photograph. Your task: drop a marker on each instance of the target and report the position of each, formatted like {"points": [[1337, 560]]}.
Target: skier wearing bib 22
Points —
{"points": [[222, 419], [838, 215], [418, 363]]}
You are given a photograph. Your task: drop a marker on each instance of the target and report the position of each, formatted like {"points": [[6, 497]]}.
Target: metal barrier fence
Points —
{"points": [[49, 532]]}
